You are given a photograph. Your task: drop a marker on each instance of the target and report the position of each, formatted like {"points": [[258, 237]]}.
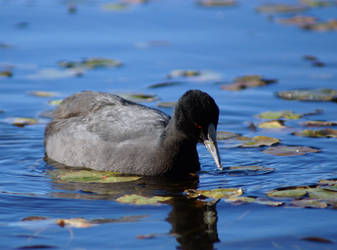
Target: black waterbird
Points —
{"points": [[102, 131]]}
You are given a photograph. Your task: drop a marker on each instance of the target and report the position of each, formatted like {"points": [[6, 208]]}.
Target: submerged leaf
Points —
{"points": [[217, 193], [290, 150], [216, 3], [141, 200], [272, 124], [258, 141], [285, 114], [327, 132], [92, 176], [309, 95], [248, 170], [248, 81], [281, 8], [319, 123]]}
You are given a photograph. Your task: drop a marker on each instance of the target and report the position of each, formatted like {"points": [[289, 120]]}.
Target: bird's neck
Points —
{"points": [[179, 154]]}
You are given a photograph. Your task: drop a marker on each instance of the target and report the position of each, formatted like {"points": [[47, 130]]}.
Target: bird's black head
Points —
{"points": [[195, 111]]}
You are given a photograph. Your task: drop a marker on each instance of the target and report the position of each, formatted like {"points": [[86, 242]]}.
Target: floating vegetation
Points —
{"points": [[217, 193], [139, 97], [284, 114], [224, 135], [249, 81], [135, 199], [43, 93], [322, 26], [91, 63], [249, 199], [164, 84], [23, 121], [166, 104], [319, 123], [216, 3], [114, 6], [259, 141], [300, 21], [281, 8], [309, 95], [327, 132], [319, 3], [248, 170], [91, 176], [6, 73], [314, 60], [272, 124], [290, 150], [183, 73], [55, 102]]}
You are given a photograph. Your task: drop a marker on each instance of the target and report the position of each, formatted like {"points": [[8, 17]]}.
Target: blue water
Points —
{"points": [[231, 41]]}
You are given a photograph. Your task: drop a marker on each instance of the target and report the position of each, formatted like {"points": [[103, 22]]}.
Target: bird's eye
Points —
{"points": [[197, 125]]}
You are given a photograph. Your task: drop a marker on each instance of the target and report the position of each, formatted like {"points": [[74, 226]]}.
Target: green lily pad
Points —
{"points": [[327, 132], [224, 135], [141, 200], [259, 141], [318, 3], [217, 193], [281, 8], [248, 170], [164, 84], [55, 102], [91, 176], [290, 150], [43, 93], [216, 3], [91, 63], [309, 95], [329, 182], [248, 81], [166, 104], [309, 203], [6, 73], [274, 115], [23, 121], [289, 192], [272, 124], [322, 194], [319, 123]]}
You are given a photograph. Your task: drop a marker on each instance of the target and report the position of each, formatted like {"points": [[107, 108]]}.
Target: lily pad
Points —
{"points": [[91, 63], [43, 93], [6, 73], [290, 150], [224, 135], [74, 222], [141, 200], [248, 170], [23, 121], [217, 193], [164, 84], [166, 104], [183, 73], [272, 124], [300, 21], [281, 8], [259, 141], [55, 102], [318, 3], [247, 199], [139, 97], [289, 192], [91, 176], [216, 3], [114, 6], [285, 114], [248, 81], [319, 123], [327, 132], [309, 203], [309, 95], [322, 26]]}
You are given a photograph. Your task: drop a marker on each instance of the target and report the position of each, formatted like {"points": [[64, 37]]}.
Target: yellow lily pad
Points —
{"points": [[43, 93], [217, 193], [319, 123], [141, 200], [248, 81], [290, 150], [23, 121], [259, 141], [309, 95], [317, 133], [272, 124], [275, 115], [92, 176], [248, 170], [55, 102]]}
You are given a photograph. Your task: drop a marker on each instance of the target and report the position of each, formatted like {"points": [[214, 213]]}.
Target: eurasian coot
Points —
{"points": [[102, 131]]}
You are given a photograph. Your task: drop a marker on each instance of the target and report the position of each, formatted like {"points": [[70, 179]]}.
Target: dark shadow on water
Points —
{"points": [[193, 222]]}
